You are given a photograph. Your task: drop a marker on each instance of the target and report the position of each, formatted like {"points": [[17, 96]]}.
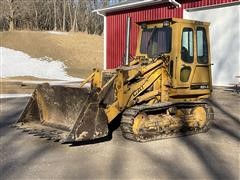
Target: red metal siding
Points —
{"points": [[116, 25]]}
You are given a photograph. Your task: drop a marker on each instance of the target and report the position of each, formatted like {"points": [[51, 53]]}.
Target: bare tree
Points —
{"points": [[55, 14], [35, 14], [64, 15], [11, 14], [74, 24], [67, 15]]}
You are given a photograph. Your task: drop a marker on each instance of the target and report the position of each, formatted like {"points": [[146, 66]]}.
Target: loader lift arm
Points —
{"points": [[129, 91], [133, 90]]}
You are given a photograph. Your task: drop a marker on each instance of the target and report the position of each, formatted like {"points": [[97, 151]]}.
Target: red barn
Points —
{"points": [[223, 15]]}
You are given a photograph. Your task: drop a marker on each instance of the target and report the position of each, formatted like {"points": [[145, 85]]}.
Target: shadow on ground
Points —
{"points": [[207, 155]]}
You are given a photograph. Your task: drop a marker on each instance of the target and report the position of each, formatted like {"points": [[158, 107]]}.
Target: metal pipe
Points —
{"points": [[126, 63], [105, 39]]}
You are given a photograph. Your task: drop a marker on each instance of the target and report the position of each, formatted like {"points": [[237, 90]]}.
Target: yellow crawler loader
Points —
{"points": [[159, 93]]}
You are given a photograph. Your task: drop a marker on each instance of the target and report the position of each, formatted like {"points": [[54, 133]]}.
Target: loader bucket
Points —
{"points": [[64, 113]]}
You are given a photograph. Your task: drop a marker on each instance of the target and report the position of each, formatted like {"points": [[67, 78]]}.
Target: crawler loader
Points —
{"points": [[158, 93]]}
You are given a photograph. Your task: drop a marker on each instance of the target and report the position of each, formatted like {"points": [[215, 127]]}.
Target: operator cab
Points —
{"points": [[186, 42]]}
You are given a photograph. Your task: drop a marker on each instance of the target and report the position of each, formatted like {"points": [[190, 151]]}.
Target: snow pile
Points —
{"points": [[16, 63]]}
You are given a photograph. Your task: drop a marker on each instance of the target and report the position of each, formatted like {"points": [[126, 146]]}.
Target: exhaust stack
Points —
{"points": [[126, 62]]}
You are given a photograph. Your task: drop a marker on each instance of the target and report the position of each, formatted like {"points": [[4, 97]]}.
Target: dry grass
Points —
{"points": [[79, 51]]}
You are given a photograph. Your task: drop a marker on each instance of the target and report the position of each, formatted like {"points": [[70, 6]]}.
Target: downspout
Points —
{"points": [[105, 40]]}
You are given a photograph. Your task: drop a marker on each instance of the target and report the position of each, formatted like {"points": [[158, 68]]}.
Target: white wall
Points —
{"points": [[225, 41]]}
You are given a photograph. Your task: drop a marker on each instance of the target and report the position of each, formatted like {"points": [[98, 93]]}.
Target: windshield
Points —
{"points": [[156, 41]]}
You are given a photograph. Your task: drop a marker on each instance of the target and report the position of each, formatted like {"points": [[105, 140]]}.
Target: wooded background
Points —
{"points": [[56, 15]]}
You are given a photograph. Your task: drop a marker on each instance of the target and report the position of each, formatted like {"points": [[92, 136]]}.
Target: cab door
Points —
{"points": [[193, 67], [187, 58], [201, 78]]}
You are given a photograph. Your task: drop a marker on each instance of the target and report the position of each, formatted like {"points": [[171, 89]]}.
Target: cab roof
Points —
{"points": [[175, 20]]}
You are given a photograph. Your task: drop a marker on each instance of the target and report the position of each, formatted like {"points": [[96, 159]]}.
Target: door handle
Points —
{"points": [[183, 65]]}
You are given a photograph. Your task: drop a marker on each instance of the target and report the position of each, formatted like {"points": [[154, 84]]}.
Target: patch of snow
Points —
{"points": [[58, 32], [5, 96], [16, 63]]}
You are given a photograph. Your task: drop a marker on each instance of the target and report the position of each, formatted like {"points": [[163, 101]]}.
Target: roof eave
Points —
{"points": [[104, 11]]}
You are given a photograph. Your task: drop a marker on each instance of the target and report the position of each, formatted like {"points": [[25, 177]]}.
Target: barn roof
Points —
{"points": [[131, 4]]}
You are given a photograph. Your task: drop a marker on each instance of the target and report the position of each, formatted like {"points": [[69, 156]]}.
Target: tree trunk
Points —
{"points": [[11, 25], [64, 15], [36, 16], [11, 16], [70, 13], [55, 15], [73, 29]]}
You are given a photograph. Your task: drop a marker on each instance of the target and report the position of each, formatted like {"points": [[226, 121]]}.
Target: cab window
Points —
{"points": [[187, 45], [202, 48], [156, 41]]}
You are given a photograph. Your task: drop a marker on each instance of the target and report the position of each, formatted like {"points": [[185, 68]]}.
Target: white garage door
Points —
{"points": [[225, 41]]}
